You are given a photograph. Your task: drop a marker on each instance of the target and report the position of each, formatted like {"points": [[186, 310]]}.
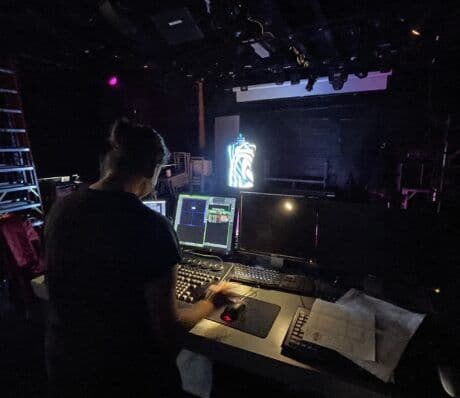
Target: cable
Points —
{"points": [[258, 23], [203, 255], [301, 300], [262, 30]]}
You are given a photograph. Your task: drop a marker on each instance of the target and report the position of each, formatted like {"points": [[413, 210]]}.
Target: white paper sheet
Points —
{"points": [[351, 333], [395, 327]]}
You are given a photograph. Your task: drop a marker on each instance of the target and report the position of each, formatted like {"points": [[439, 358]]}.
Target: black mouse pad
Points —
{"points": [[257, 318]]}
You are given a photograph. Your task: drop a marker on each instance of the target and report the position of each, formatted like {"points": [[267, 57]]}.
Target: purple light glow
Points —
{"points": [[113, 81]]}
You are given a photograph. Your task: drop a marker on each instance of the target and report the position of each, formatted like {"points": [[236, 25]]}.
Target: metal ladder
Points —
{"points": [[19, 188]]}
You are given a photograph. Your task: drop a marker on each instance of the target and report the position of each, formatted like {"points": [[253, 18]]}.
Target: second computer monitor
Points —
{"points": [[205, 222], [157, 205], [280, 225]]}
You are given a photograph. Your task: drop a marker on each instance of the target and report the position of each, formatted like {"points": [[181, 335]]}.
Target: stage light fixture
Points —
{"points": [[338, 79], [112, 81], [295, 78], [279, 79], [310, 83], [361, 74], [416, 32]]}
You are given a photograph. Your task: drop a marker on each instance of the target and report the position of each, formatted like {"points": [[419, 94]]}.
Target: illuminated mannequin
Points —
{"points": [[241, 155]]}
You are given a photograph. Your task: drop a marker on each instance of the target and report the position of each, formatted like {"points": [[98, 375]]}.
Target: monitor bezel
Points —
{"points": [[214, 250]]}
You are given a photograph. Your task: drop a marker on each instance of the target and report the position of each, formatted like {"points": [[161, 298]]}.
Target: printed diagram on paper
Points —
{"points": [[351, 333]]}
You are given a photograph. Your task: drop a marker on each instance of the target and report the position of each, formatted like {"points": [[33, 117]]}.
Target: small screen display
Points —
{"points": [[205, 221], [157, 205]]}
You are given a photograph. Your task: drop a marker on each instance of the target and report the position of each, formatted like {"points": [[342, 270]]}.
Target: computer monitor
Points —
{"points": [[157, 205], [205, 222], [278, 225], [354, 237]]}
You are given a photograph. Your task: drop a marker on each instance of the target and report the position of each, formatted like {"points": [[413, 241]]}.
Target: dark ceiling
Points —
{"points": [[303, 38]]}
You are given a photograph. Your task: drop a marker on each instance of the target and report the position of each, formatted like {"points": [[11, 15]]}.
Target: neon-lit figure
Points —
{"points": [[241, 155]]}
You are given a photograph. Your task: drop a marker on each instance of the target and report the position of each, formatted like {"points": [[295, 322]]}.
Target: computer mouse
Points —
{"points": [[233, 311]]}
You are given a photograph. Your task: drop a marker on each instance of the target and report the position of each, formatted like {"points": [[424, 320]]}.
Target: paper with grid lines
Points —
{"points": [[351, 333], [395, 326]]}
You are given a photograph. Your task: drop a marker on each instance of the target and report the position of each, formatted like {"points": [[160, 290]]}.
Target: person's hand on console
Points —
{"points": [[215, 297], [221, 294]]}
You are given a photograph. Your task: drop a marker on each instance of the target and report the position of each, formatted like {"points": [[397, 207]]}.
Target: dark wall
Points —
{"points": [[61, 111], [171, 110], [361, 136], [69, 112], [299, 142]]}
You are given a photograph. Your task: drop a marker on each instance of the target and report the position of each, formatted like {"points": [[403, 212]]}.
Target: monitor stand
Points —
{"points": [[270, 261], [276, 262]]}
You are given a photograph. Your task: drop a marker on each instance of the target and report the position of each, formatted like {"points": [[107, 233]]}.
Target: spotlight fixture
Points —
{"points": [[112, 81], [279, 80], [361, 74], [338, 79], [295, 78], [279, 76], [415, 32], [310, 83]]}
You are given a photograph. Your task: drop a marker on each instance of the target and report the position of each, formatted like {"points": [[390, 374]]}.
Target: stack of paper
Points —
{"points": [[395, 326], [351, 333], [370, 332]]}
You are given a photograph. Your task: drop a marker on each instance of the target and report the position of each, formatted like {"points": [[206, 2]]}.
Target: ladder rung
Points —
{"points": [[8, 91], [37, 223], [8, 110], [10, 207], [5, 188], [14, 149], [3, 130], [9, 71], [7, 169]]}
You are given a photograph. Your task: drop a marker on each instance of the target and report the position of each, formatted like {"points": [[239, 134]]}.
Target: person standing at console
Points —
{"points": [[113, 321]]}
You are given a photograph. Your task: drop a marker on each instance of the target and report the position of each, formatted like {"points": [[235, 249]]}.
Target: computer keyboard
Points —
{"points": [[295, 347], [255, 276], [195, 275], [272, 279], [196, 272]]}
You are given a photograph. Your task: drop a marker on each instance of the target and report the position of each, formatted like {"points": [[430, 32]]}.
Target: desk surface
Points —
{"points": [[263, 356]]}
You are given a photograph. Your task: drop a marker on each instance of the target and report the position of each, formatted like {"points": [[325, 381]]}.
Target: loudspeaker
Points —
{"points": [[177, 26]]}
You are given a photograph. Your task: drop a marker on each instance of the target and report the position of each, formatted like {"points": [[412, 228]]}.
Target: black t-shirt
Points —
{"points": [[101, 248]]}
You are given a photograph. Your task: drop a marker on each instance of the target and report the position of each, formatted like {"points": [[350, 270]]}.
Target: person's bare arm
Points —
{"points": [[167, 318]]}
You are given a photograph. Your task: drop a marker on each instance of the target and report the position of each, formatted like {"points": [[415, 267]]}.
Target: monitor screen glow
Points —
{"points": [[205, 222]]}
